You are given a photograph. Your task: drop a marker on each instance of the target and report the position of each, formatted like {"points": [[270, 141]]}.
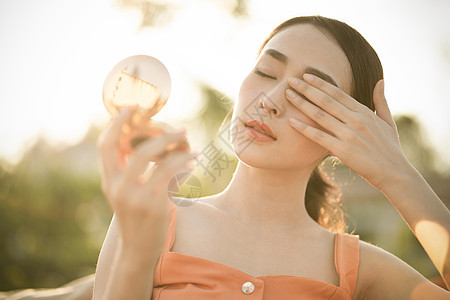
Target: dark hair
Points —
{"points": [[322, 197]]}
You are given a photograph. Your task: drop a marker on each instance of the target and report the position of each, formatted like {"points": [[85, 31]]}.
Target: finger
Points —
{"points": [[315, 113], [152, 150], [381, 106], [112, 160], [167, 169], [334, 92], [321, 99], [325, 140]]}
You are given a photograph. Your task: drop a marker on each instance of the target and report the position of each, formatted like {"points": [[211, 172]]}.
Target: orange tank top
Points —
{"points": [[181, 276]]}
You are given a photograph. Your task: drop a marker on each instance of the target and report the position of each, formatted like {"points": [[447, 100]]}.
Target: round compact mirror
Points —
{"points": [[139, 81]]}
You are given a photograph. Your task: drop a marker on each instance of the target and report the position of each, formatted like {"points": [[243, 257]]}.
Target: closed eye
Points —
{"points": [[265, 75]]}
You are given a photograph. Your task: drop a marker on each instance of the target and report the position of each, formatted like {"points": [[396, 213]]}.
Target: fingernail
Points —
{"points": [[308, 77], [124, 111], [294, 81], [296, 123], [180, 131], [290, 93], [195, 154]]}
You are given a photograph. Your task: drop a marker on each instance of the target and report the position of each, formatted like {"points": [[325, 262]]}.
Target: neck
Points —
{"points": [[263, 197]]}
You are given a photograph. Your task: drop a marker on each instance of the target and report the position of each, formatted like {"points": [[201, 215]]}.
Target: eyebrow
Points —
{"points": [[277, 55], [310, 70]]}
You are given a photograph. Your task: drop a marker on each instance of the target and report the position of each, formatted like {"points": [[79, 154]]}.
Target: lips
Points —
{"points": [[260, 130]]}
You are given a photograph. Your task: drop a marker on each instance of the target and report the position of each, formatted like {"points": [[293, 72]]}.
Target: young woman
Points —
{"points": [[273, 233]]}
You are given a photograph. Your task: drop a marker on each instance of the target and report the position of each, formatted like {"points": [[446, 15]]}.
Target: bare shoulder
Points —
{"points": [[196, 229], [382, 275], [197, 215], [191, 209]]}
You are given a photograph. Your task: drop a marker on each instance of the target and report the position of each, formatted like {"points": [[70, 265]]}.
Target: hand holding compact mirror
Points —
{"points": [[143, 84]]}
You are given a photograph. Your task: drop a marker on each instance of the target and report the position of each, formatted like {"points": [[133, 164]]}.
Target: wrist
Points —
{"points": [[139, 258], [400, 182], [132, 275]]}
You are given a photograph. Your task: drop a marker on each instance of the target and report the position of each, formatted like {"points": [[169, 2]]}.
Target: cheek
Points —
{"points": [[297, 114], [301, 150], [248, 92]]}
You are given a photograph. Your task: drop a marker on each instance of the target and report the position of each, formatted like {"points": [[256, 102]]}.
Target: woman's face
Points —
{"points": [[261, 134]]}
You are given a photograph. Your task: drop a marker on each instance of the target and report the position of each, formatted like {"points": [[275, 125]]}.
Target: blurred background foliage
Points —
{"points": [[54, 217]]}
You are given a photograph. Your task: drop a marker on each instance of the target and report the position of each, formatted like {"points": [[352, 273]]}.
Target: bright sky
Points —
{"points": [[55, 55]]}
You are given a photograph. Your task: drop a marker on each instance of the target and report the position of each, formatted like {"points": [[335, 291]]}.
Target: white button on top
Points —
{"points": [[248, 288]]}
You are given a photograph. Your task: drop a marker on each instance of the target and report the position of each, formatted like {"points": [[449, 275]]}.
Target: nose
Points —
{"points": [[274, 102]]}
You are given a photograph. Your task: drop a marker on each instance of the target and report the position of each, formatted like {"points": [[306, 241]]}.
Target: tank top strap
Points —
{"points": [[170, 236], [346, 259]]}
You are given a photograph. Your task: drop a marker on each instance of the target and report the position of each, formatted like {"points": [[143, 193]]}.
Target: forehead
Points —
{"points": [[306, 46]]}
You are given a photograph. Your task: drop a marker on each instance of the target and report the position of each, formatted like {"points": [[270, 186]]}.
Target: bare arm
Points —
{"points": [[116, 272], [122, 275], [425, 214], [140, 203], [382, 275]]}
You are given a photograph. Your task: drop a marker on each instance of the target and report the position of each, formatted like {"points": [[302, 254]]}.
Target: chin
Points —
{"points": [[256, 157], [253, 157]]}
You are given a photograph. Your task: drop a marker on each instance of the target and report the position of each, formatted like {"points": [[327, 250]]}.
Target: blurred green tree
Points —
{"points": [[52, 218], [415, 144], [216, 110]]}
